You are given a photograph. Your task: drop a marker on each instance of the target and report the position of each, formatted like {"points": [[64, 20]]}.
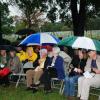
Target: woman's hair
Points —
{"points": [[84, 52]]}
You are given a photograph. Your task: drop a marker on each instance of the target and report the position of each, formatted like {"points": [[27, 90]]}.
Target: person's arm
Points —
{"points": [[88, 65]]}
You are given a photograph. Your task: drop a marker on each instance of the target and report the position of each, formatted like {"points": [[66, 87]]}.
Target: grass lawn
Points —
{"points": [[12, 93]]}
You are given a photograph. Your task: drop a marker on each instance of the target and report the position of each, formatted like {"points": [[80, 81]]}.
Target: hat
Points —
{"points": [[56, 50]]}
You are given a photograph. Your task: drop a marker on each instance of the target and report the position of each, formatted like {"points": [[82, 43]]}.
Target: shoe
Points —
{"points": [[47, 91], [35, 85], [29, 88], [35, 90]]}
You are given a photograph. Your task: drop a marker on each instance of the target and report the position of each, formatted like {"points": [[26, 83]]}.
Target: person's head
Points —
{"points": [[12, 53], [3, 52], [43, 53], [29, 51], [82, 54], [18, 48], [92, 54], [50, 54], [76, 52], [55, 51], [37, 49]]}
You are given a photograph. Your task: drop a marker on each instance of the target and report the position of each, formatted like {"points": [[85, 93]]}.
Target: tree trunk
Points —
{"points": [[78, 17], [28, 19], [1, 38], [0, 32]]}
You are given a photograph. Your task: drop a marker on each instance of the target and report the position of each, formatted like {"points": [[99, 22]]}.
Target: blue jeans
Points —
{"points": [[69, 89]]}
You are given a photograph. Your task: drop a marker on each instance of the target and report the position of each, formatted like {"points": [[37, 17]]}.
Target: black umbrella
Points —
{"points": [[25, 32], [5, 42], [7, 48]]}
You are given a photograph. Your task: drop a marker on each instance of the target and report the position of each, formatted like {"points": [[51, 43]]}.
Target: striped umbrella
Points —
{"points": [[40, 39], [81, 42]]}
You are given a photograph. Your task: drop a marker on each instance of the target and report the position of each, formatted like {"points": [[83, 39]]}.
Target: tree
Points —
{"points": [[31, 10], [5, 21], [54, 27], [75, 10], [79, 10]]}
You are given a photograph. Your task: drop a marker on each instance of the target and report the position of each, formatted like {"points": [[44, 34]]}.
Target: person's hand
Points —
{"points": [[96, 70], [79, 70], [75, 69]]}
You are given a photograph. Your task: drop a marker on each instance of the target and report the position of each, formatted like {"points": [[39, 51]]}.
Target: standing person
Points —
{"points": [[77, 68], [85, 82]]}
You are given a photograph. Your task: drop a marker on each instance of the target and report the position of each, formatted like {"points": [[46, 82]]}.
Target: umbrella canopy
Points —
{"points": [[7, 48], [39, 39], [25, 31], [81, 42]]}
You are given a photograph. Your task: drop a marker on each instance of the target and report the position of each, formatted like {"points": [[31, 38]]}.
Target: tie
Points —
{"points": [[93, 64]]}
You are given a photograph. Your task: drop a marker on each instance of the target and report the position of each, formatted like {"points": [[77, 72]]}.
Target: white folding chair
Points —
{"points": [[56, 85], [62, 85], [20, 75]]}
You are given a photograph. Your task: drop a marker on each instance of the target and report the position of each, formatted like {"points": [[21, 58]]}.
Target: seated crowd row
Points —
{"points": [[40, 65]]}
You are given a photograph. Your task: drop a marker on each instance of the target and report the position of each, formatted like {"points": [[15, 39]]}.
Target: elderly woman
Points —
{"points": [[76, 69], [55, 68], [33, 76]]}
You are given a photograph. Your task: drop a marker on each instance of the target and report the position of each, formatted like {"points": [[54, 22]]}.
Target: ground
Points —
{"points": [[12, 93]]}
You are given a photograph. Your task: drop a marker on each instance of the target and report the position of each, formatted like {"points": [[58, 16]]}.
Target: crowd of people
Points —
{"points": [[41, 64]]}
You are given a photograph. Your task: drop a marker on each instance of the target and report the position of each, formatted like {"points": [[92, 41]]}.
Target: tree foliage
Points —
{"points": [[77, 11], [5, 21]]}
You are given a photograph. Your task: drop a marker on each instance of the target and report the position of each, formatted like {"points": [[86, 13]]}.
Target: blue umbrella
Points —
{"points": [[39, 39]]}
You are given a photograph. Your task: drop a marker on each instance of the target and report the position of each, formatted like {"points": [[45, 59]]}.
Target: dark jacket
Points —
{"points": [[77, 63], [59, 65]]}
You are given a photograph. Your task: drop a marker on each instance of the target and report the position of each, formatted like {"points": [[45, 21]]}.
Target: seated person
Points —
{"points": [[21, 54], [14, 63], [33, 76], [4, 57], [55, 68], [75, 71], [85, 82], [4, 71], [67, 59], [31, 56]]}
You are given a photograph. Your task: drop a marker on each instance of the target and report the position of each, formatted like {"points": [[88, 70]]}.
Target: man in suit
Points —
{"points": [[84, 83]]}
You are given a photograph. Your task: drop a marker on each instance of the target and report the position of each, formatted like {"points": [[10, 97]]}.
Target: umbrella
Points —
{"points": [[7, 48], [40, 39], [25, 31], [81, 42]]}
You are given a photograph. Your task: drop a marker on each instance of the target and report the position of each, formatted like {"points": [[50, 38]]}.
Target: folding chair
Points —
{"points": [[53, 80], [55, 85], [20, 75]]}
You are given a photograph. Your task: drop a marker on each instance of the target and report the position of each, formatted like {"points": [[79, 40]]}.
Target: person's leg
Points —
{"points": [[6, 80], [95, 81], [46, 80], [73, 80], [80, 83], [37, 76], [29, 77], [67, 86]]}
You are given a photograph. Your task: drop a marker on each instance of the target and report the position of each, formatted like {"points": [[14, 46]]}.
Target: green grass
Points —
{"points": [[12, 93]]}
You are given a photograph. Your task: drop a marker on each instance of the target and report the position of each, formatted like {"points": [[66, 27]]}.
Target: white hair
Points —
{"points": [[44, 51], [56, 50]]}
